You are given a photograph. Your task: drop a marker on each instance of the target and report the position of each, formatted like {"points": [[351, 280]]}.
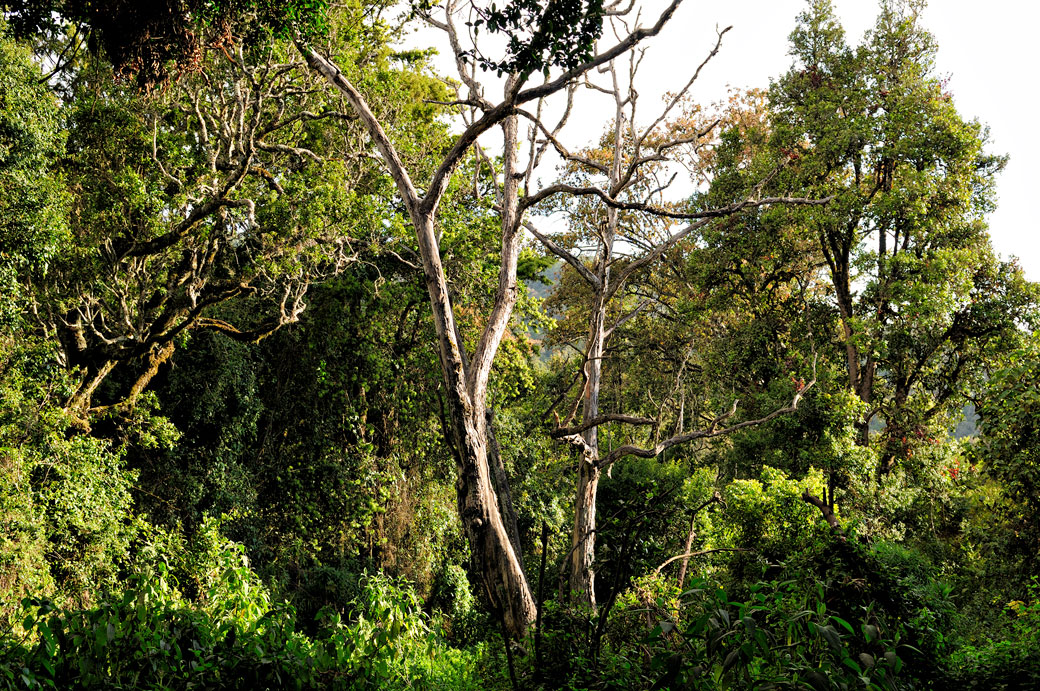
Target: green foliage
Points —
{"points": [[916, 304], [645, 514], [1010, 420], [240, 181], [65, 501], [233, 637], [453, 596], [149, 42], [32, 201], [781, 636], [559, 34], [337, 561], [790, 632], [834, 613], [769, 516], [1005, 662]]}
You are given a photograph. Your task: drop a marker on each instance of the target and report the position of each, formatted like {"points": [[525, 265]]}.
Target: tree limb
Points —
{"points": [[701, 553], [828, 515], [563, 254], [563, 432], [336, 78], [710, 432]]}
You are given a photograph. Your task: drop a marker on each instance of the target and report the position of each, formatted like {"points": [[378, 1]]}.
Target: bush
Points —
{"points": [[782, 635], [151, 636], [66, 521], [1007, 663]]}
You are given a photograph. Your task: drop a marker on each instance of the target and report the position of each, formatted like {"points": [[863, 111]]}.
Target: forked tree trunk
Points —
{"points": [[583, 539], [494, 555], [497, 562], [465, 385]]}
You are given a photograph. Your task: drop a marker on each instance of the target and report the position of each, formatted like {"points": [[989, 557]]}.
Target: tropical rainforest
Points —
{"points": [[331, 363]]}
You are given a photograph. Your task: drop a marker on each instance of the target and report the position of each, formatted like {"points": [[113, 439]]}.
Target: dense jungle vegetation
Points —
{"points": [[320, 369]]}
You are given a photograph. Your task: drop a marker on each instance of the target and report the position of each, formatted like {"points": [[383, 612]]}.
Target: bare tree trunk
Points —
{"points": [[497, 562], [583, 537], [495, 556], [505, 496], [465, 381]]}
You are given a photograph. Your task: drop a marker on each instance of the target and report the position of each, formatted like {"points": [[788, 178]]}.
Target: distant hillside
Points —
{"points": [[969, 425], [551, 276]]}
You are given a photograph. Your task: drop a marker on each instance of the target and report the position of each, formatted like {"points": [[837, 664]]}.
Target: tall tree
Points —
{"points": [[921, 297], [149, 42], [244, 180], [466, 374], [623, 230]]}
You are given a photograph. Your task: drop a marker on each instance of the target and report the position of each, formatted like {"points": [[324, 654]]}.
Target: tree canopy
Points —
{"points": [[304, 383]]}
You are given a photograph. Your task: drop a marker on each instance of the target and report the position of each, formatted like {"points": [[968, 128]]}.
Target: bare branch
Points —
{"points": [[559, 125], [624, 318], [563, 432], [728, 210], [563, 254], [465, 71], [615, 9], [587, 452], [701, 553], [251, 336], [506, 294], [680, 93], [558, 145], [457, 102], [619, 49], [297, 151], [710, 432]]}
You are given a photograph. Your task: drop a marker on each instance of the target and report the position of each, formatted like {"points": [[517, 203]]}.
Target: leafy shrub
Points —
{"points": [[782, 635], [152, 637], [1007, 663]]}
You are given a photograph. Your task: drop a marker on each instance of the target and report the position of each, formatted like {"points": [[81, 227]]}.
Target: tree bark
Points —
{"points": [[496, 559], [505, 496], [497, 562], [583, 536]]}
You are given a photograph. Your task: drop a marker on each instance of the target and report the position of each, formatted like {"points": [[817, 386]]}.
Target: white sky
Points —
{"points": [[989, 50]]}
